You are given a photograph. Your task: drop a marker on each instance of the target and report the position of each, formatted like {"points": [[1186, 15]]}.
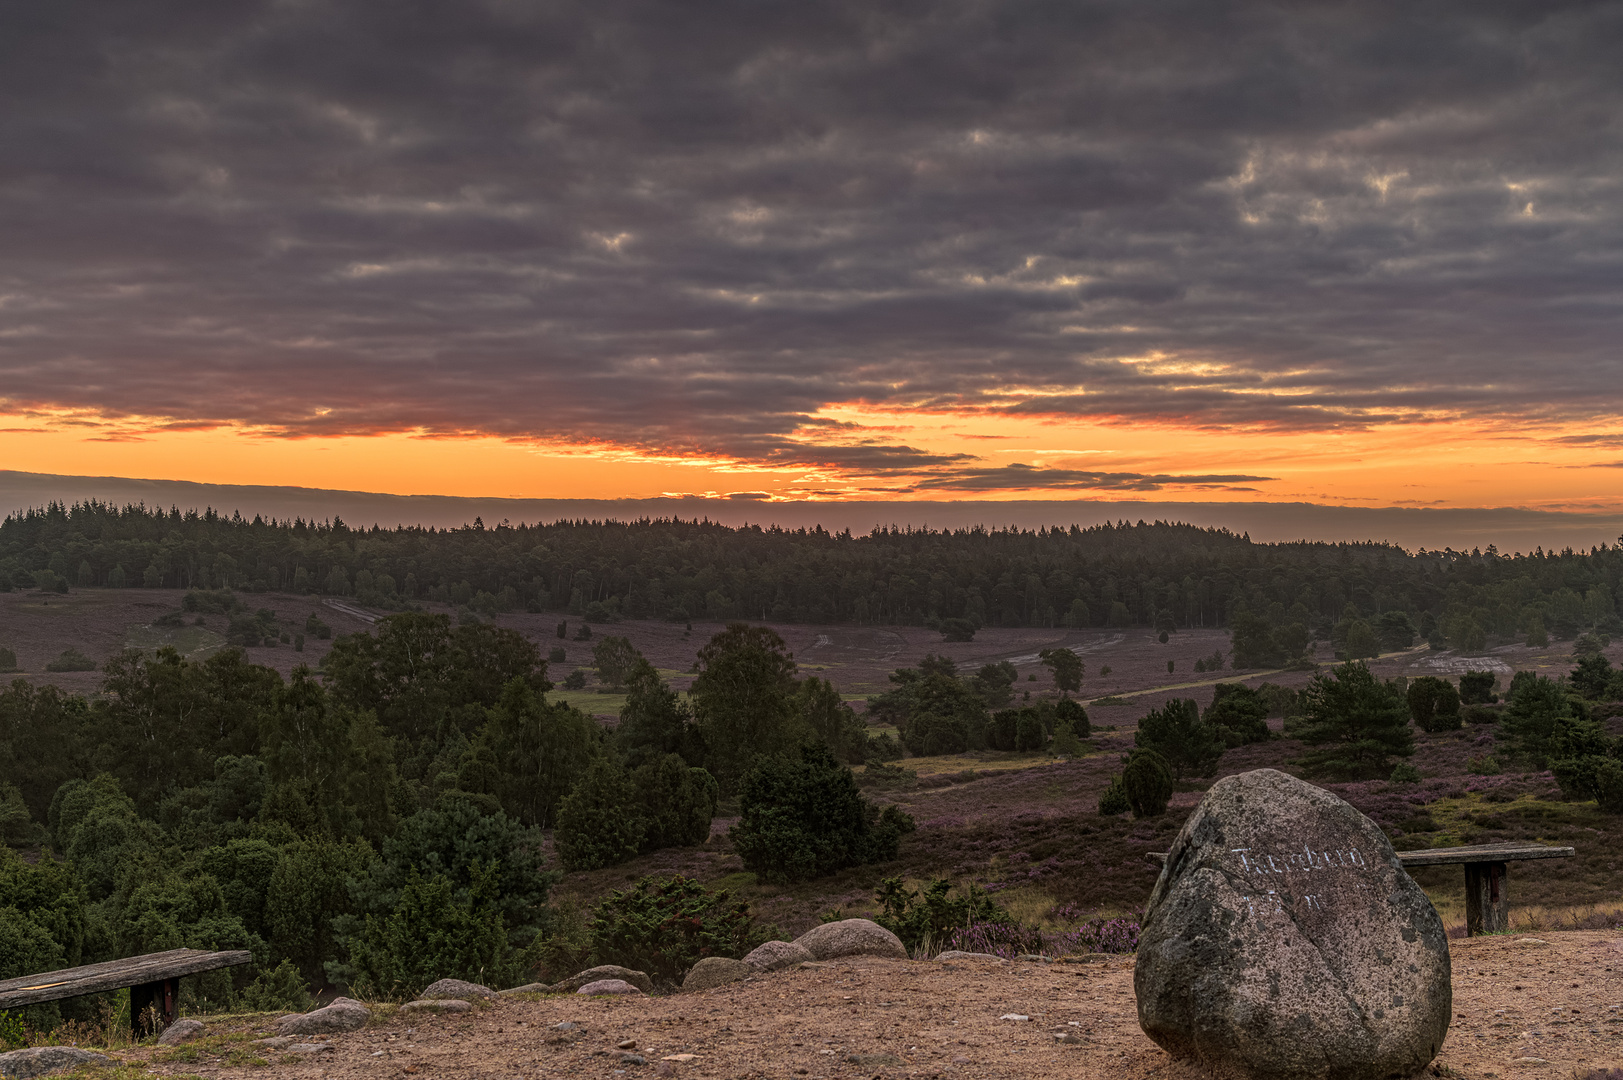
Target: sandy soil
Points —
{"points": [[1543, 1008]]}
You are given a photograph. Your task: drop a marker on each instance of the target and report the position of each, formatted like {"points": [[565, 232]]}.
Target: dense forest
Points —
{"points": [[1112, 575], [379, 824]]}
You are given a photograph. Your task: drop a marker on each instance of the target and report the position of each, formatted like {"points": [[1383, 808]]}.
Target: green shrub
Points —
{"points": [[27, 948], [1476, 688], [665, 925], [924, 918], [676, 803], [8, 661], [803, 817], [1239, 714], [1434, 704], [1066, 744], [431, 935], [71, 660], [1071, 712], [1147, 781], [1028, 732], [278, 989], [887, 777], [600, 822], [1184, 742], [1404, 773], [13, 1032], [1483, 765], [1114, 800]]}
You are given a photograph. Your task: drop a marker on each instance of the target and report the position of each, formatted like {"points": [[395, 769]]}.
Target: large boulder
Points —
{"points": [[343, 1014], [607, 971], [456, 988], [777, 955], [42, 1060], [851, 937], [715, 971], [1284, 941]]}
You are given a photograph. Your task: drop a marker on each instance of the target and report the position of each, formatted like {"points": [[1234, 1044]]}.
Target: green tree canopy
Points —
{"points": [[742, 699], [1355, 722], [1189, 745]]}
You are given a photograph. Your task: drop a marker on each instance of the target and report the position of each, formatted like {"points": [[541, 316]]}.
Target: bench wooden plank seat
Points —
{"points": [[1487, 895], [1482, 853], [153, 979]]}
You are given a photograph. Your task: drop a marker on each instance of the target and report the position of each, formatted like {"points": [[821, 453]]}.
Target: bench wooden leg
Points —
{"points": [[1487, 900], [161, 998]]}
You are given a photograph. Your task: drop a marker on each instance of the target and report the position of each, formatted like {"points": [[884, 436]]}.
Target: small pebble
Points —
{"points": [[627, 1044]]}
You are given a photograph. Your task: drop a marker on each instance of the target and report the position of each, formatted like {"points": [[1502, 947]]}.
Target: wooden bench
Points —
{"points": [[1487, 893], [153, 979]]}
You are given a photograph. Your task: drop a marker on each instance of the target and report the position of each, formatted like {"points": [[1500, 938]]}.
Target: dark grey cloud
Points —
{"points": [[690, 227], [1022, 477]]}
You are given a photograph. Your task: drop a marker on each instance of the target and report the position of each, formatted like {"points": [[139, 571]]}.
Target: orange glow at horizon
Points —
{"points": [[1445, 464]]}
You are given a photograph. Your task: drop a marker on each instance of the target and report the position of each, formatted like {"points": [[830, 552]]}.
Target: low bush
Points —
{"points": [[1147, 780], [8, 661], [1434, 704], [925, 918], [431, 935], [280, 989], [598, 821], [71, 660], [665, 925], [885, 777], [804, 818], [1114, 800]]}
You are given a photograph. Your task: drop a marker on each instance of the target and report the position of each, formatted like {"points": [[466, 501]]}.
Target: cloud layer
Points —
{"points": [[691, 229]]}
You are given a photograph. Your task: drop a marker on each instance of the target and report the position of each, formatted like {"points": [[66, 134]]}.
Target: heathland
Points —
{"points": [[377, 758]]}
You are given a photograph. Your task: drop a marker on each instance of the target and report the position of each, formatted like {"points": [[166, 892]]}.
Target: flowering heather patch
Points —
{"points": [[1119, 935], [996, 939]]}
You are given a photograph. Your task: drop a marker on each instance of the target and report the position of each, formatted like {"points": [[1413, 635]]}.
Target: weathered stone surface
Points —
{"points": [[608, 986], [456, 988], [42, 1060], [437, 1005], [1284, 941], [715, 971], [851, 937], [180, 1031], [527, 988], [344, 1014], [607, 971], [776, 955]]}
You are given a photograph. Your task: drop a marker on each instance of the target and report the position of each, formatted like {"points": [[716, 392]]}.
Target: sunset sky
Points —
{"points": [[1351, 254]]}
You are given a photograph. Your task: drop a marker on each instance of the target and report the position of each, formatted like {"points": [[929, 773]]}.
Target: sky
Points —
{"points": [[1347, 254]]}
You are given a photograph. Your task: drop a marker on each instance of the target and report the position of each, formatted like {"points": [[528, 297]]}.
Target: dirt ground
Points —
{"points": [[1526, 1008]]}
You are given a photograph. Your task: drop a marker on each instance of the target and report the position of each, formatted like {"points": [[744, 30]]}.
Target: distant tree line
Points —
{"points": [[1160, 575]]}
